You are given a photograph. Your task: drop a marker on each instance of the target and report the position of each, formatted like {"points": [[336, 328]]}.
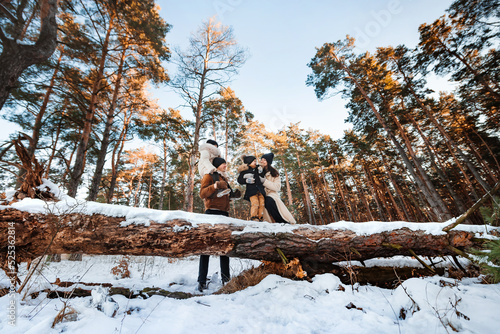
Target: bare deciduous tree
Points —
{"points": [[210, 61]]}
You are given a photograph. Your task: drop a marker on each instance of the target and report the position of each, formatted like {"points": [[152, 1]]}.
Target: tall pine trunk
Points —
{"points": [[451, 144], [318, 205], [103, 151], [116, 155], [399, 193], [327, 195], [35, 136], [375, 191], [421, 171], [340, 190], [307, 198], [439, 214], [480, 159], [164, 174], [430, 197], [54, 148], [437, 164], [79, 165], [361, 193]]}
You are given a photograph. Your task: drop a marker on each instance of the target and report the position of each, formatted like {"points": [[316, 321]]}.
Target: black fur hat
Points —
{"points": [[269, 158], [218, 161], [248, 159], [213, 142]]}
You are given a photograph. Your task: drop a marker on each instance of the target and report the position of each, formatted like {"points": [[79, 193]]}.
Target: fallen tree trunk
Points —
{"points": [[101, 234]]}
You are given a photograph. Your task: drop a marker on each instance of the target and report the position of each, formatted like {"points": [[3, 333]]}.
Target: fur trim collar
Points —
{"points": [[213, 150]]}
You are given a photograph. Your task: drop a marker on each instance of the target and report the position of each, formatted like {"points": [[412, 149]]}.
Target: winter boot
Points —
{"points": [[202, 286]]}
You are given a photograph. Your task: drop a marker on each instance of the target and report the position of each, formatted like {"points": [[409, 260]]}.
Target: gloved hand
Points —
{"points": [[221, 184], [235, 194], [260, 169], [262, 179], [224, 192]]}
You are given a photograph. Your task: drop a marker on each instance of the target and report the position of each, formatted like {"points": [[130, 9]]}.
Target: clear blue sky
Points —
{"points": [[281, 37]]}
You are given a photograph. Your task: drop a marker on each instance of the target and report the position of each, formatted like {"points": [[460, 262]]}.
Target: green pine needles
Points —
{"points": [[490, 260], [489, 257], [492, 215]]}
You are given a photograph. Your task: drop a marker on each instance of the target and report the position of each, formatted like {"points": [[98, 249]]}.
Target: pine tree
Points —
{"points": [[16, 35]]}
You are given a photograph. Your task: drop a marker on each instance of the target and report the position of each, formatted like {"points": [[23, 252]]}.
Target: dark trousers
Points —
{"points": [[204, 259], [273, 211]]}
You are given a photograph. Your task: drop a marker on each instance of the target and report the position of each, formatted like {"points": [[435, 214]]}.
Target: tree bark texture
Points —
{"points": [[102, 235], [17, 57], [79, 166], [101, 158]]}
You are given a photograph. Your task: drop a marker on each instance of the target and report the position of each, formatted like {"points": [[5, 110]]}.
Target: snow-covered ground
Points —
{"points": [[276, 305]]}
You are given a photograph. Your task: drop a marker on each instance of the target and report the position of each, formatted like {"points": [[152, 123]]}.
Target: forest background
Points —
{"points": [[121, 80]]}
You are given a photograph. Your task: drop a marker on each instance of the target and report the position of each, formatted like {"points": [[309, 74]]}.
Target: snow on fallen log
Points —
{"points": [[72, 226]]}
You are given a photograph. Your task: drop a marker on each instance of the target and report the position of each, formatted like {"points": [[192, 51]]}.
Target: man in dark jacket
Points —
{"points": [[216, 203], [255, 192]]}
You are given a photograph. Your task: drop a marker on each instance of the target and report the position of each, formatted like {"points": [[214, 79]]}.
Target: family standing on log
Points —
{"points": [[262, 186], [261, 179]]}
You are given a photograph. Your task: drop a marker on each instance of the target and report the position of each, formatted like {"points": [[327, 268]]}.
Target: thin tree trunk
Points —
{"points": [[214, 127], [399, 213], [67, 170], [149, 192], [340, 188], [54, 146], [488, 148], [399, 193], [375, 192], [101, 158], [226, 134], [306, 191], [327, 195], [164, 174], [287, 183], [38, 120], [28, 22], [115, 157], [79, 165], [137, 193], [317, 202], [480, 159], [361, 193]]}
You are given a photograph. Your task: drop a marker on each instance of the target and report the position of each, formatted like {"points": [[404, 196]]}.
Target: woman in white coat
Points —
{"points": [[276, 210]]}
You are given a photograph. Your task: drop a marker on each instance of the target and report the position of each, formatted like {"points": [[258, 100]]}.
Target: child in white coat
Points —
{"points": [[208, 151]]}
